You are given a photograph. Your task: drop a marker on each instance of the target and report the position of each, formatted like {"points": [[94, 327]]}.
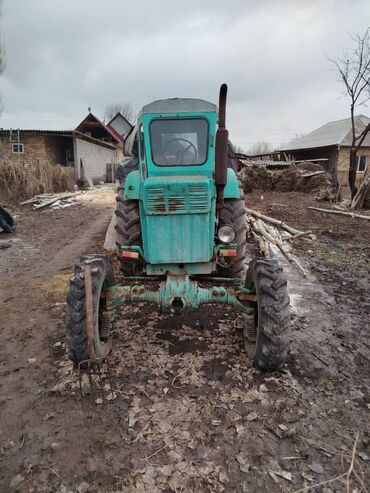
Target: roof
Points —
{"points": [[98, 142], [119, 114], [61, 133], [332, 133], [36, 131], [91, 119], [114, 134], [179, 105]]}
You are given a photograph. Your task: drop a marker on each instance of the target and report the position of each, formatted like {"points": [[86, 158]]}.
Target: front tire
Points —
{"points": [[234, 213], [128, 228], [76, 333], [266, 326]]}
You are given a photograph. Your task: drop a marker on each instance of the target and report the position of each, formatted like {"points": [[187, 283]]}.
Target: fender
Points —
{"points": [[231, 190], [132, 186]]}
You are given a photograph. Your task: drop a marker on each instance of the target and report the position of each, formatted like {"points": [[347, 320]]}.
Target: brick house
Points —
{"points": [[37, 146], [330, 145], [92, 149]]}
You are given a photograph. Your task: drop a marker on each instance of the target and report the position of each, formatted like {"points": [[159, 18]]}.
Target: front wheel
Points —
{"points": [[266, 323], [76, 331]]}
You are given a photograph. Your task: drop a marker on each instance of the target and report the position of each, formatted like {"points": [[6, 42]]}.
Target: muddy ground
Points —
{"points": [[184, 410]]}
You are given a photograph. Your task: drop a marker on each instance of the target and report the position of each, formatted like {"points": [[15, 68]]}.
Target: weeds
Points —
{"points": [[20, 181]]}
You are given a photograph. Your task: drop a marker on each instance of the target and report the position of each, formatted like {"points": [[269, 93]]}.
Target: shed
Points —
{"points": [[330, 144]]}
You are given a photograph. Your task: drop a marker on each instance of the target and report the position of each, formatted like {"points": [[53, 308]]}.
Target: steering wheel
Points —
{"points": [[180, 153]]}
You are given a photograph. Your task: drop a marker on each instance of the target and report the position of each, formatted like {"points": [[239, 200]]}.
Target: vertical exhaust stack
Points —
{"points": [[222, 138]]}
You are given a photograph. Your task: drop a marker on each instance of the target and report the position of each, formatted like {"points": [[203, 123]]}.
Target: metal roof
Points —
{"points": [[29, 130], [179, 105], [332, 133]]}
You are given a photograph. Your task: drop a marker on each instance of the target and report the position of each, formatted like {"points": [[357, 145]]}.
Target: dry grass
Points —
{"points": [[20, 181]]}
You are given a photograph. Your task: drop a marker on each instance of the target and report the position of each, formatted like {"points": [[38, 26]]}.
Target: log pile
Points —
{"points": [[264, 230], [51, 199], [362, 193]]}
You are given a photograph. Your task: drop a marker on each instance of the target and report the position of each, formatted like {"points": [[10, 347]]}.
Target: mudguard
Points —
{"points": [[133, 186], [231, 190]]}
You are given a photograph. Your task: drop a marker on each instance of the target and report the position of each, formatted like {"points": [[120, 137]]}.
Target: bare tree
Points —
{"points": [[354, 71], [125, 109], [239, 150], [260, 148], [2, 58]]}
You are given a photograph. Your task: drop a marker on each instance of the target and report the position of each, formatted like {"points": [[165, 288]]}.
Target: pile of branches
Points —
{"points": [[19, 181], [265, 231], [305, 177]]}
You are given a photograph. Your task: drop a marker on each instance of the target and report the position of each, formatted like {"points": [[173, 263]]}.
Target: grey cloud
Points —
{"points": [[66, 55]]}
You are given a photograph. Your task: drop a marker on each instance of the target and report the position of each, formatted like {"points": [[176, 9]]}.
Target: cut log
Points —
{"points": [[271, 220], [301, 234], [350, 214], [48, 202], [308, 175], [259, 227]]}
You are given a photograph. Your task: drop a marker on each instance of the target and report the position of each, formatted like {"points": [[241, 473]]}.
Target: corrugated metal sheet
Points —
{"points": [[333, 133], [36, 131]]}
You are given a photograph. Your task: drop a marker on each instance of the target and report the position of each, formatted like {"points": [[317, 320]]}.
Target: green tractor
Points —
{"points": [[181, 238]]}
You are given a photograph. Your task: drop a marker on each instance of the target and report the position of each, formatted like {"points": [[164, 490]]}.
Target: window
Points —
{"points": [[17, 148], [179, 142], [140, 137], [361, 163]]}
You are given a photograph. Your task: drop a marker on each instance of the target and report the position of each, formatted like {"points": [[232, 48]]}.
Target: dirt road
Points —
{"points": [[187, 412]]}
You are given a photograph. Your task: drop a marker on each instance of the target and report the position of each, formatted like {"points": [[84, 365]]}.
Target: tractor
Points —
{"points": [[181, 238]]}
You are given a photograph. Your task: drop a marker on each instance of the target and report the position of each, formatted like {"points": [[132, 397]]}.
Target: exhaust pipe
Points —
{"points": [[222, 138]]}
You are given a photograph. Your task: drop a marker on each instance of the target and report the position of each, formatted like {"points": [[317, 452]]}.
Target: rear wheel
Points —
{"points": [[76, 333], [234, 213], [266, 324], [128, 228]]}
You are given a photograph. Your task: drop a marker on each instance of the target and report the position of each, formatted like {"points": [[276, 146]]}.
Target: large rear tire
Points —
{"points": [[128, 228], [266, 329], [76, 333], [234, 213]]}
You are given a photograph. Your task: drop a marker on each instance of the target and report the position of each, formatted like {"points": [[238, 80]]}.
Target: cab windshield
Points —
{"points": [[179, 142]]}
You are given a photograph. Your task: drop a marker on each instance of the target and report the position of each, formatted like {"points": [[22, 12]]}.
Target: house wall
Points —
{"points": [[38, 148], [34, 149], [57, 147], [343, 165], [91, 160]]}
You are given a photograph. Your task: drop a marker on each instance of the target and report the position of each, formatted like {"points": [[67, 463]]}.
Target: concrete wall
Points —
{"points": [[91, 160]]}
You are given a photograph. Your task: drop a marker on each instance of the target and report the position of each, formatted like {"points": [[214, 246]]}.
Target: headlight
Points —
{"points": [[226, 234]]}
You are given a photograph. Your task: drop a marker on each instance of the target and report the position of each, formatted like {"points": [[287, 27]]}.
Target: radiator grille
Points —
{"points": [[177, 199]]}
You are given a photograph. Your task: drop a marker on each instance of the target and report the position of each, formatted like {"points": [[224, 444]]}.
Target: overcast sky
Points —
{"points": [[66, 55]]}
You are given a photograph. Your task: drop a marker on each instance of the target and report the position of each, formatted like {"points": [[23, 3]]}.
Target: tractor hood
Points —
{"points": [[178, 219]]}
